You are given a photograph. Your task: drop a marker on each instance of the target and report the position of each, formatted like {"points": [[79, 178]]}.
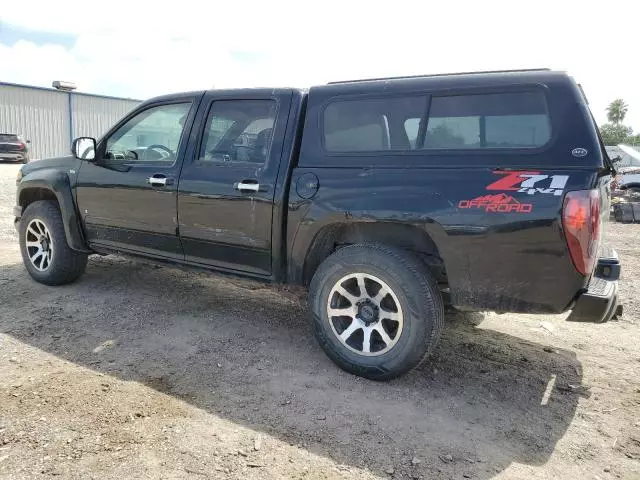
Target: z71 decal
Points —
{"points": [[530, 182], [501, 202]]}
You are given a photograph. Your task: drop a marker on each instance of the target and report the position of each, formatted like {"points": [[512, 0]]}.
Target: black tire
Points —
{"points": [[416, 291], [66, 265]]}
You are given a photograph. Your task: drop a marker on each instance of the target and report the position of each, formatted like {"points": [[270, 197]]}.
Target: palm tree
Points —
{"points": [[616, 111]]}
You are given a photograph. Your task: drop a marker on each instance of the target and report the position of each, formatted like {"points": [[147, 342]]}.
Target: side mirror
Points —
{"points": [[84, 148], [28, 141]]}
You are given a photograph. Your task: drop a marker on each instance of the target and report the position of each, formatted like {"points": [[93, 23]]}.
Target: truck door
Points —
{"points": [[226, 188], [127, 195]]}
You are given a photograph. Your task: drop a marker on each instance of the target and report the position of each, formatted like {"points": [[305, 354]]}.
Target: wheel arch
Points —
{"points": [[33, 194], [54, 186], [401, 235]]}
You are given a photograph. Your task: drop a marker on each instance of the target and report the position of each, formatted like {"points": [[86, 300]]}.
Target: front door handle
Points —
{"points": [[159, 180], [247, 187]]}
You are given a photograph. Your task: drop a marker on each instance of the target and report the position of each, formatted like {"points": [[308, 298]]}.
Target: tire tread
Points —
{"points": [[68, 265], [425, 287]]}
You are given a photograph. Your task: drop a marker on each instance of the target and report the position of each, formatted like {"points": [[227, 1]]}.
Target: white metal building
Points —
{"points": [[51, 119]]}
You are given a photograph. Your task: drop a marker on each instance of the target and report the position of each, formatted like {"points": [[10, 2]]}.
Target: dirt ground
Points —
{"points": [[145, 372]]}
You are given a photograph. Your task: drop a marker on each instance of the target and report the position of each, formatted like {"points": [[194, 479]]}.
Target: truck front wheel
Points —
{"points": [[376, 310], [45, 252]]}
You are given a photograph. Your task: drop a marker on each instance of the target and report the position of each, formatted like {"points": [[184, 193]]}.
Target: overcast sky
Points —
{"points": [[142, 49]]}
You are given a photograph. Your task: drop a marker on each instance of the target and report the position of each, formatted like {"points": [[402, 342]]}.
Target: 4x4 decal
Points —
{"points": [[529, 182]]}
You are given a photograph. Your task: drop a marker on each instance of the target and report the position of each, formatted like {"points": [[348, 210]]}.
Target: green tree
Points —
{"points": [[614, 134], [616, 111], [634, 140]]}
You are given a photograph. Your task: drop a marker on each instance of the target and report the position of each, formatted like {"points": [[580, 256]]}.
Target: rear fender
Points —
{"points": [[311, 232]]}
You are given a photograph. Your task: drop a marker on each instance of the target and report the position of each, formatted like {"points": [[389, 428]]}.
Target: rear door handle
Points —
{"points": [[247, 187], [159, 180]]}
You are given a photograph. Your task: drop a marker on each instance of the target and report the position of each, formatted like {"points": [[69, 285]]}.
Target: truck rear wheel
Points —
{"points": [[376, 310], [45, 252]]}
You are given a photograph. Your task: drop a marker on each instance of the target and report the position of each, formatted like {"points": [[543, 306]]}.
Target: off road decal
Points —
{"points": [[501, 203], [529, 182]]}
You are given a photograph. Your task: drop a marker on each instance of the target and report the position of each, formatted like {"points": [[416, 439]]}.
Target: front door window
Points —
{"points": [[153, 136]]}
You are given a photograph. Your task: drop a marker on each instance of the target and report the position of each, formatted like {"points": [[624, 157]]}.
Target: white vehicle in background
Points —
{"points": [[627, 163]]}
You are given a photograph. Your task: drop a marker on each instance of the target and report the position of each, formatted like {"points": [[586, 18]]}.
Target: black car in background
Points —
{"points": [[13, 148]]}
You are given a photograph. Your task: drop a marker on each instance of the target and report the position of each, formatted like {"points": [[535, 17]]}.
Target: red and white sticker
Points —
{"points": [[530, 183]]}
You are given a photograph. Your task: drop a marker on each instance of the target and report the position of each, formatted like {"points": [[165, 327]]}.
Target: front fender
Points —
{"points": [[59, 184]]}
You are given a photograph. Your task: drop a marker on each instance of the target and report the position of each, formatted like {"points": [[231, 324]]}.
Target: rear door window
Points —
{"points": [[238, 131], [495, 120]]}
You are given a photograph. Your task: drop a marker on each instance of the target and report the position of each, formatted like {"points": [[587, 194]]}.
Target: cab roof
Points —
{"points": [[446, 80]]}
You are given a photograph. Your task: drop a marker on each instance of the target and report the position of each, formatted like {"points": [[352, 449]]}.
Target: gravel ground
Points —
{"points": [[145, 372]]}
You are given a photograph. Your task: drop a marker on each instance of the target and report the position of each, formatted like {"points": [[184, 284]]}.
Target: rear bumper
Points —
{"points": [[13, 157], [600, 302]]}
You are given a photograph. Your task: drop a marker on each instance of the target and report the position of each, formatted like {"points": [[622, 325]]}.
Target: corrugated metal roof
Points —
{"points": [[39, 116], [73, 92], [50, 118], [93, 116]]}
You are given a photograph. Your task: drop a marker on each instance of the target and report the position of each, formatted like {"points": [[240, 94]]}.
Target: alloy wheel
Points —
{"points": [[39, 245], [365, 314]]}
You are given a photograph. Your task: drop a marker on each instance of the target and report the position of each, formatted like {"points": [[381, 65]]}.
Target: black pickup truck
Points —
{"points": [[388, 198]]}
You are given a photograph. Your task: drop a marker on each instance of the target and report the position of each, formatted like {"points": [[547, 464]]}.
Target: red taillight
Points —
{"points": [[581, 221], [21, 146]]}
